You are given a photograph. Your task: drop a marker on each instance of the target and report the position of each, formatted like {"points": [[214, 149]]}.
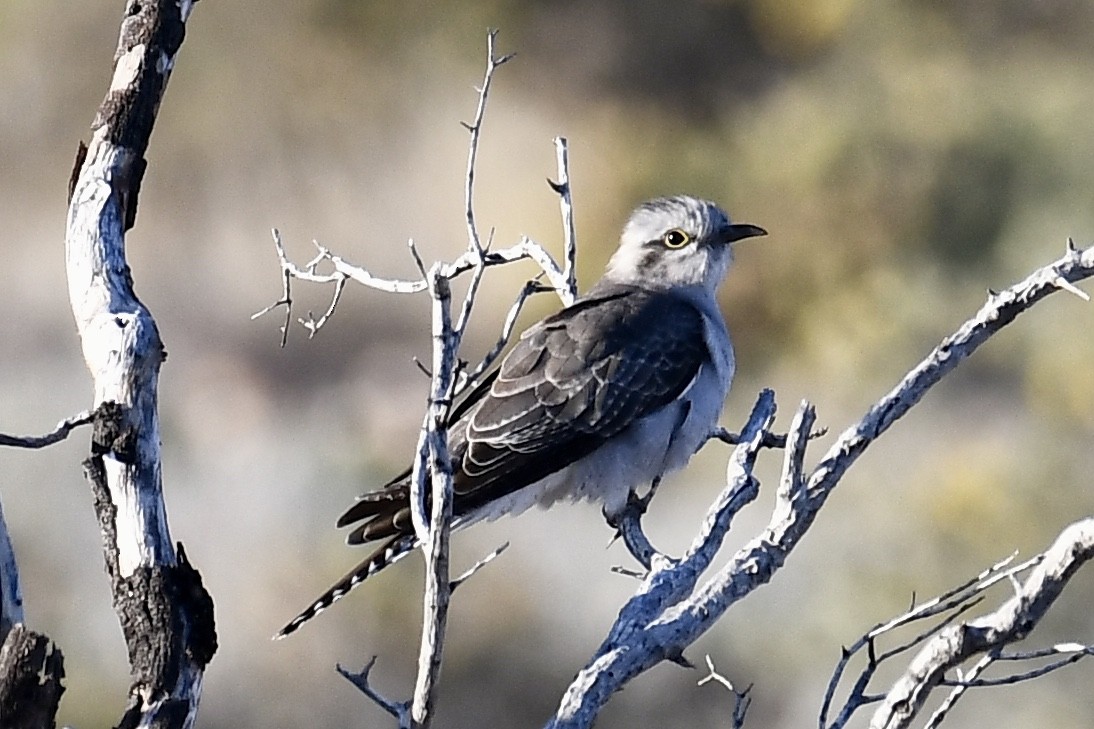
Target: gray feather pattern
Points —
{"points": [[618, 388]]}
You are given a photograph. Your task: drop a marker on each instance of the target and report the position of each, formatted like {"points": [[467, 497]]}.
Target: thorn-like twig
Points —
{"points": [[741, 699], [417, 258], [1071, 288], [398, 709], [286, 289]]}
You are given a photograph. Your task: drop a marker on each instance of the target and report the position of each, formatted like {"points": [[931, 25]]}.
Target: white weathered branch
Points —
{"points": [[438, 511], [493, 62], [343, 271], [165, 613], [950, 605], [741, 699], [649, 628], [1011, 622], [566, 207], [999, 310], [438, 588], [431, 473], [639, 640]]}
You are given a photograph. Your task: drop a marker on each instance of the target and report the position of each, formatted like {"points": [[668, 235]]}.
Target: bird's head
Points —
{"points": [[677, 241]]}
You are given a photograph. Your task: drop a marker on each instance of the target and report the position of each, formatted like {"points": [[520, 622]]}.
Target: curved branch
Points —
{"points": [[639, 640], [999, 310], [646, 631], [165, 613]]}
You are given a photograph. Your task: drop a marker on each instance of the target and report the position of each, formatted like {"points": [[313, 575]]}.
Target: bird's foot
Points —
{"points": [[627, 523]]}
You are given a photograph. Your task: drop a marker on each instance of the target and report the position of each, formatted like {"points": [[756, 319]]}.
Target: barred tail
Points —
{"points": [[389, 553]]}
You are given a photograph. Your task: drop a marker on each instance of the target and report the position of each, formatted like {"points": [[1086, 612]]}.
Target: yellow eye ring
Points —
{"points": [[675, 238]]}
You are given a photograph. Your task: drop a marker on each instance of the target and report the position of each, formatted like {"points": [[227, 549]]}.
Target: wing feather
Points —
{"points": [[571, 382], [584, 375]]}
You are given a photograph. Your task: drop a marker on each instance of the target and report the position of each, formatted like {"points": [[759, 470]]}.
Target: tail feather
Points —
{"points": [[389, 553], [394, 493]]}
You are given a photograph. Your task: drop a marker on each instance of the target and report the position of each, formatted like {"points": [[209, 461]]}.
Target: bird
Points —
{"points": [[607, 395]]}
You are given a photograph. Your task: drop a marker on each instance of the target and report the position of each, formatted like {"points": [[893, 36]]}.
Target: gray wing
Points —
{"points": [[574, 381]]}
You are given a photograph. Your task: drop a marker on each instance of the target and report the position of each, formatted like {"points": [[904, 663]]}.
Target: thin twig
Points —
{"points": [[314, 325], [398, 709], [477, 566], [741, 699], [771, 440], [470, 379], [343, 271], [472, 289], [58, 434], [446, 344], [956, 602], [493, 62], [1011, 622], [566, 205], [969, 681], [286, 289]]}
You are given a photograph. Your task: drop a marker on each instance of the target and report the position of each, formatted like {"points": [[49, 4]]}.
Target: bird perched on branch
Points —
{"points": [[605, 396]]}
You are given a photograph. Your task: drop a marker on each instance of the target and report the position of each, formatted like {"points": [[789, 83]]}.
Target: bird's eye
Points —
{"points": [[675, 238]]}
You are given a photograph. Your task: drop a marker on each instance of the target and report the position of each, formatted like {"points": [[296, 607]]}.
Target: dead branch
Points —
{"points": [[165, 613], [648, 631], [987, 635], [58, 434]]}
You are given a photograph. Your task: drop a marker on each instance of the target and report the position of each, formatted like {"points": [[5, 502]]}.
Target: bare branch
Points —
{"points": [[566, 204], [286, 289], [469, 379], [1000, 309], [343, 271], [472, 290], [314, 325], [741, 699], [438, 588], [467, 574], [399, 710], [1072, 652], [554, 274], [165, 612], [952, 604], [939, 715], [1011, 622], [493, 62], [58, 434], [679, 617], [654, 625], [771, 440], [446, 345]]}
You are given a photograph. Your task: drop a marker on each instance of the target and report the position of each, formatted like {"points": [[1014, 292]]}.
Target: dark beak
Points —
{"points": [[740, 231]]}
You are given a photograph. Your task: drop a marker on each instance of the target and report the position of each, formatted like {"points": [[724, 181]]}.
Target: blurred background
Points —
{"points": [[905, 157]]}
